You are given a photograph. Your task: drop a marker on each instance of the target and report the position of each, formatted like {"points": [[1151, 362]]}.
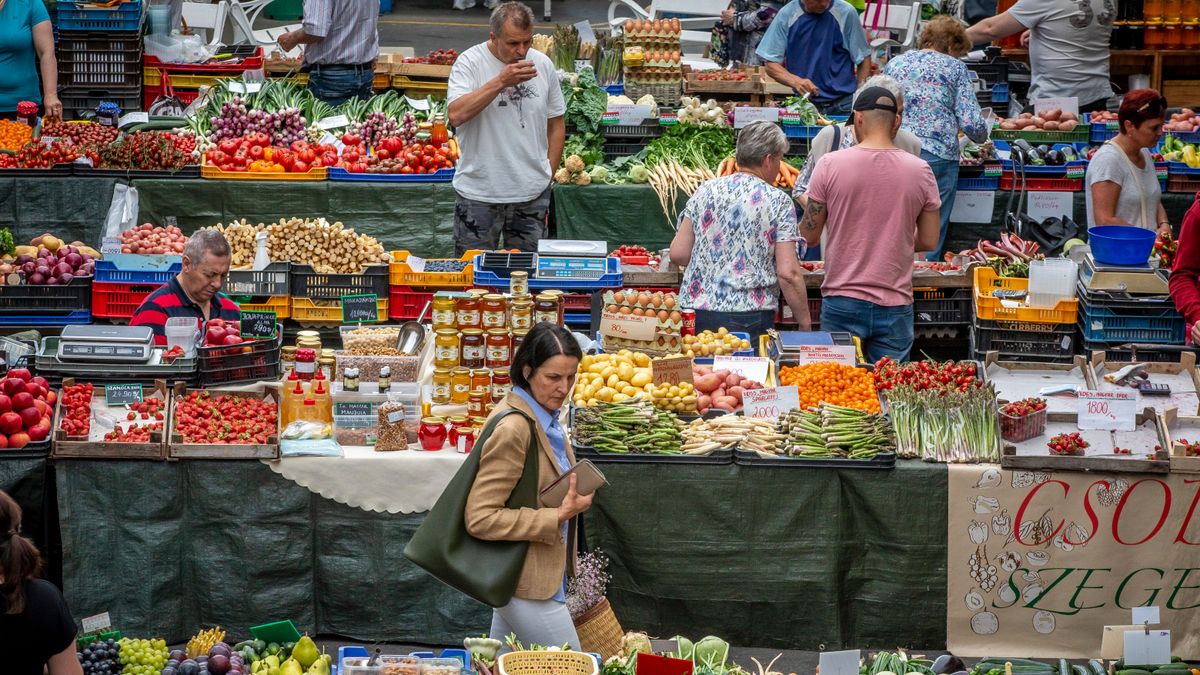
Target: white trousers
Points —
{"points": [[540, 622]]}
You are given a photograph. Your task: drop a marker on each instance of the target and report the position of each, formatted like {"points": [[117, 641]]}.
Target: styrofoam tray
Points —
{"points": [[1141, 441], [1014, 385]]}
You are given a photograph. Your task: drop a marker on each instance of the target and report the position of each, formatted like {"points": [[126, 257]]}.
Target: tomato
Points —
{"points": [[256, 152], [350, 139], [305, 154], [350, 156], [299, 166], [299, 146], [383, 153]]}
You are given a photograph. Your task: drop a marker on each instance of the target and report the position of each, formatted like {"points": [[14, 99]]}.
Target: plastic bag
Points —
{"points": [[306, 430], [122, 211], [1052, 233], [395, 432]]}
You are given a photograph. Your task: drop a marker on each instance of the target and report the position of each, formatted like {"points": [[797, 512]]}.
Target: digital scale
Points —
{"points": [[1141, 279], [132, 344], [556, 259]]}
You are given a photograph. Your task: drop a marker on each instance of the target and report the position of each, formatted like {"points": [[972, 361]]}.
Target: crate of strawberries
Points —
{"points": [[217, 424], [635, 255], [121, 421], [1023, 420]]}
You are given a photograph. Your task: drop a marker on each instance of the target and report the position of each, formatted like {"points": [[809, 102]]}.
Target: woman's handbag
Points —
{"points": [[488, 571]]}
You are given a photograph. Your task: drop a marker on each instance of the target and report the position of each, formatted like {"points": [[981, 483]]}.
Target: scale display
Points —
{"points": [[106, 343], [555, 267], [1141, 279]]}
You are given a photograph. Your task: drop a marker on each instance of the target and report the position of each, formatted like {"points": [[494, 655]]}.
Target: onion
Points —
{"points": [[42, 270], [36, 279]]}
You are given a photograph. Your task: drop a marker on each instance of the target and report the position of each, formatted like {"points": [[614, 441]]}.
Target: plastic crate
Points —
{"points": [[127, 15], [79, 101], [1042, 184], [280, 304], [1058, 343], [622, 149], [340, 175], [806, 131], [614, 89], [612, 278], [49, 300], [405, 304], [77, 317], [203, 74], [577, 302], [1099, 324], [1100, 132], [1079, 134], [1181, 184], [308, 283], [249, 361], [99, 60], [995, 71], [110, 270], [1182, 169], [273, 280], [1117, 352], [306, 310], [646, 131], [988, 307], [980, 183], [401, 274], [119, 300], [1000, 92], [210, 172], [941, 306]]}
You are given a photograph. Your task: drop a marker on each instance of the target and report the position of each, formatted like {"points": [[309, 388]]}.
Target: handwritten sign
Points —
{"points": [[586, 34], [122, 394], [840, 663], [770, 403], [672, 370], [360, 308], [973, 206], [746, 115], [1107, 411], [334, 122], [1064, 103], [96, 624], [1043, 205], [355, 408], [752, 367], [110, 245], [258, 324], [1145, 647], [133, 118], [843, 354], [627, 114], [628, 327], [1144, 615]]}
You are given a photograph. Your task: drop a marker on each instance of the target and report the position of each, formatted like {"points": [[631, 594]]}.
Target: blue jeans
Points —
{"points": [[840, 106], [336, 86], [946, 173], [755, 323], [884, 331]]}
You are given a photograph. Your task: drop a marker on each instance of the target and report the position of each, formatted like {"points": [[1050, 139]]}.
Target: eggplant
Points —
{"points": [[1055, 158], [947, 663], [1043, 149], [1069, 154]]}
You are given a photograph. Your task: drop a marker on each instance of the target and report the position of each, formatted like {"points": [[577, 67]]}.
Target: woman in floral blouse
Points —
{"points": [[940, 101], [741, 28], [737, 238]]}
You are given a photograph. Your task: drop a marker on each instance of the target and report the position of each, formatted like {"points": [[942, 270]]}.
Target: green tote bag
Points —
{"points": [[485, 570]]}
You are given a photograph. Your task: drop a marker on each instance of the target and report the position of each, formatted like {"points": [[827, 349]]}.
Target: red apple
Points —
{"points": [[20, 373], [18, 440], [43, 408], [11, 385], [5, 403], [10, 423], [214, 335], [30, 416], [35, 390], [22, 400], [38, 433], [232, 339], [51, 398], [3, 441], [42, 381]]}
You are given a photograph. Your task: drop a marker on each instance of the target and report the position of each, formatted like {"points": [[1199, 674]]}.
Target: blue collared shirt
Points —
{"points": [[558, 443]]}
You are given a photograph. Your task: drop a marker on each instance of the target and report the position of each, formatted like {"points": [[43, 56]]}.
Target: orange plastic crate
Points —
{"points": [[989, 307], [306, 311], [280, 304], [403, 275], [211, 172]]}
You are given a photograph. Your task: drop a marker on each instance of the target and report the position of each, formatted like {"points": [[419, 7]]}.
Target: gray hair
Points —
{"points": [[758, 140], [516, 13], [885, 82], [206, 242]]}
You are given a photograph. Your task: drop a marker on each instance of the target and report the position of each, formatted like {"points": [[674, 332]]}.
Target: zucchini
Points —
{"points": [[1133, 671], [1080, 670], [1097, 668], [1064, 668]]}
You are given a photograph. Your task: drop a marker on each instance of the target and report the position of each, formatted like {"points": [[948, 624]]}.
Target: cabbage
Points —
{"points": [[635, 643], [638, 173], [685, 648], [711, 651], [599, 173]]}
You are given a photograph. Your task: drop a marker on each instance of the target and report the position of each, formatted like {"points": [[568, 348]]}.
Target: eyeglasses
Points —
{"points": [[1157, 105]]}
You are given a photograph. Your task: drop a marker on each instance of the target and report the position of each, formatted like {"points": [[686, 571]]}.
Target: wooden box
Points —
{"points": [[1015, 380], [177, 449], [1149, 434], [67, 447], [1175, 429], [1182, 377]]}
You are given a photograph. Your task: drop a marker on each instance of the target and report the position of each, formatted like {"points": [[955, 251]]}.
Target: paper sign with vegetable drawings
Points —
{"points": [[1039, 562]]}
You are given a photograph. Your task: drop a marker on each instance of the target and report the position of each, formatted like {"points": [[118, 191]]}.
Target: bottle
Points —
{"points": [[293, 397], [350, 379], [323, 401], [308, 410], [438, 135], [385, 379], [261, 257]]}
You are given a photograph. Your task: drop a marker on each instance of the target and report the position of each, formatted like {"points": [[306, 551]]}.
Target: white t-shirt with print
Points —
{"points": [[504, 148], [1068, 46]]}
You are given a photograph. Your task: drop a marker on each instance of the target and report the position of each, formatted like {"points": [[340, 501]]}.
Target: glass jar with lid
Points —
{"points": [[559, 301], [441, 386], [481, 378], [477, 403], [460, 385], [446, 352], [521, 313], [494, 311], [518, 283], [467, 313], [545, 308], [518, 337], [444, 309], [501, 384], [472, 348], [498, 353]]}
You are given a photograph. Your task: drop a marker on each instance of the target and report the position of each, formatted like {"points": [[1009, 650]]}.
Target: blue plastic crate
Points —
{"points": [[801, 130], [980, 183], [341, 175], [612, 278], [1000, 93], [1186, 137], [1100, 133], [1181, 169], [614, 89], [1099, 324], [128, 268], [78, 317], [1047, 171], [126, 16]]}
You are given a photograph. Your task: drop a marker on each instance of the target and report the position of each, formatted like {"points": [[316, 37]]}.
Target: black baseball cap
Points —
{"points": [[876, 98]]}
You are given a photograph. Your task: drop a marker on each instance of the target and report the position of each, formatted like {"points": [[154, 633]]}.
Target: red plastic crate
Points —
{"points": [[119, 301], [577, 302], [405, 304], [1043, 184], [251, 58], [151, 93]]}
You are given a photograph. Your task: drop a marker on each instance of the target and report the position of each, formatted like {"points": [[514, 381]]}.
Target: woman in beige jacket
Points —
{"points": [[543, 372]]}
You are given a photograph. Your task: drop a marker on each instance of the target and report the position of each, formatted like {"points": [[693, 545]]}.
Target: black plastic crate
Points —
{"points": [[273, 280], [718, 457], [47, 300], [189, 171], [240, 374], [615, 150], [1139, 353], [79, 103], [96, 62], [248, 354], [1058, 343], [994, 71], [642, 131], [308, 283], [939, 306], [74, 44]]}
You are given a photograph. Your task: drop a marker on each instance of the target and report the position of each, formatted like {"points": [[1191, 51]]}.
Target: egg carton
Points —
{"points": [[664, 344], [669, 327]]}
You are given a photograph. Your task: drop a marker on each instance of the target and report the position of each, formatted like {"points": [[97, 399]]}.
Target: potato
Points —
{"points": [[1039, 122], [703, 403], [707, 384], [1011, 126], [736, 392], [1052, 115], [1025, 115], [1068, 117], [1051, 125], [727, 403], [1068, 125]]}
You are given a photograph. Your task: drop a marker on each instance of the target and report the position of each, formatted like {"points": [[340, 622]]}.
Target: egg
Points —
{"points": [[626, 310], [638, 311], [619, 298], [663, 315], [643, 299], [669, 301], [656, 301], [611, 309], [676, 317]]}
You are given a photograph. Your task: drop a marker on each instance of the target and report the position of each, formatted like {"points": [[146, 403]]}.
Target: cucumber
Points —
{"points": [[1097, 668], [1080, 670], [1064, 668], [1133, 671]]}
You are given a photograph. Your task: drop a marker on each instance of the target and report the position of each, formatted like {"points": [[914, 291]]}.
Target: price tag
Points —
{"points": [[354, 408], [672, 370], [395, 417], [667, 119], [974, 206], [840, 663], [843, 354], [245, 87], [1108, 411], [416, 264], [630, 114], [110, 245], [744, 115], [122, 394], [1064, 103], [417, 103], [1112, 641], [770, 403], [1144, 615], [628, 326], [133, 118], [664, 646], [258, 324], [360, 308], [752, 367], [96, 624], [586, 34], [1043, 205], [335, 122], [580, 64], [1146, 647]]}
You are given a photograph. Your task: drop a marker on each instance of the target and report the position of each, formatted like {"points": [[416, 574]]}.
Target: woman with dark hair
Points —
{"points": [[543, 374], [1122, 186], [35, 624], [26, 51]]}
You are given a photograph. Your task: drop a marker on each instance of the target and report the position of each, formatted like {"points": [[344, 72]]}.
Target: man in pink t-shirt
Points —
{"points": [[880, 205]]}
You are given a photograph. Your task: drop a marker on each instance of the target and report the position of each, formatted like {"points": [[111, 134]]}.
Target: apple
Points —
{"points": [[38, 433], [34, 389], [3, 441], [30, 416], [18, 440], [214, 335], [22, 400], [232, 339], [43, 408], [5, 403], [42, 381], [10, 423], [51, 398], [12, 385], [20, 373]]}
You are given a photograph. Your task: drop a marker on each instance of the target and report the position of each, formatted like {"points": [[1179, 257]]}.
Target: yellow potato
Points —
{"points": [[641, 377], [619, 397]]}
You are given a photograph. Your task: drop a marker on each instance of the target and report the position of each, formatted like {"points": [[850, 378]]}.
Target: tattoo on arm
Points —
{"points": [[814, 216]]}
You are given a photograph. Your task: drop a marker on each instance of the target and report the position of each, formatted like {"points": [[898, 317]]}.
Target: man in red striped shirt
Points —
{"points": [[196, 291]]}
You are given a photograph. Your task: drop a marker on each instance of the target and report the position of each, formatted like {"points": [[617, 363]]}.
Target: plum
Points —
{"points": [[218, 664]]}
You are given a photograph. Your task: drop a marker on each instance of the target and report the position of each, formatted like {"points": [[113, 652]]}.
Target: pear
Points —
{"points": [[291, 667], [319, 667], [306, 652]]}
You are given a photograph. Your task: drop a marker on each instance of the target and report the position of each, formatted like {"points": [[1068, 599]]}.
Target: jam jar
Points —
{"points": [[467, 313], [498, 353], [501, 384], [521, 314], [460, 385], [472, 348], [545, 308], [494, 311], [444, 313], [446, 352], [441, 386]]}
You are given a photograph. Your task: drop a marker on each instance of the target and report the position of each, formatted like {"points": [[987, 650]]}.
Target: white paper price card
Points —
{"points": [[630, 114], [133, 118], [1107, 411], [770, 403], [628, 327], [752, 367], [744, 115], [671, 370], [1043, 205], [416, 264], [1146, 647], [1144, 615], [840, 663], [110, 245], [973, 206], [96, 624], [586, 34], [843, 354], [1064, 103], [335, 122]]}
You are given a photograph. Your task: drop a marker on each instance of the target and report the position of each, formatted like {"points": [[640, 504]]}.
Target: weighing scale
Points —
{"points": [[571, 259], [1142, 279], [131, 344]]}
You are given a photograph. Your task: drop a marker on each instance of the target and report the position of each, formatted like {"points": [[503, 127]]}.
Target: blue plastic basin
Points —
{"points": [[1121, 244]]}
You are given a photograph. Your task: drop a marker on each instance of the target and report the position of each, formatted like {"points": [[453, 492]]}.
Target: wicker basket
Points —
{"points": [[542, 663], [599, 631]]}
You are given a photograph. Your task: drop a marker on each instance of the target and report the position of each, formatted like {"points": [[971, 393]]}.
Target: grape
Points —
{"points": [[143, 657], [99, 658]]}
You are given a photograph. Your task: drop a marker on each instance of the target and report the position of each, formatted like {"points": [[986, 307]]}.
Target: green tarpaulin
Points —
{"points": [[70, 208]]}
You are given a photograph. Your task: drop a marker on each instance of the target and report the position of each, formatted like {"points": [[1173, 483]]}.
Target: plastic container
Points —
{"points": [[129, 268], [1041, 184], [456, 274], [163, 48], [405, 304], [273, 280], [305, 282], [931, 306], [90, 62], [280, 304], [1120, 244], [159, 17], [991, 308], [308, 311], [339, 175], [358, 666], [312, 175], [980, 183], [79, 102], [1018, 429], [52, 300], [184, 332], [1051, 280], [439, 667], [126, 15]]}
